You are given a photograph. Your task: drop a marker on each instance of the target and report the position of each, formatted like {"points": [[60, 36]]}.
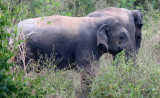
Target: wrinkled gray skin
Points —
{"points": [[132, 20], [75, 38]]}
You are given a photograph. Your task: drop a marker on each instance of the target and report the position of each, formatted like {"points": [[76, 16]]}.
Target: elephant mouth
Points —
{"points": [[115, 52], [127, 54]]}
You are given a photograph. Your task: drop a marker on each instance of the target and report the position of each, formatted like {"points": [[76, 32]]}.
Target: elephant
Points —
{"points": [[132, 20], [75, 38]]}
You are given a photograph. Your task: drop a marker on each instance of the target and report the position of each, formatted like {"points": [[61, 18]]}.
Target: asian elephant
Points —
{"points": [[132, 20], [75, 38]]}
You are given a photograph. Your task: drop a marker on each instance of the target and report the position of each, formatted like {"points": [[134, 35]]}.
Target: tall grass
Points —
{"points": [[127, 80], [124, 80]]}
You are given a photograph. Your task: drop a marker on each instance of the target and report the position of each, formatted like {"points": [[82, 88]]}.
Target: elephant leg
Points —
{"points": [[28, 58], [86, 76], [86, 66]]}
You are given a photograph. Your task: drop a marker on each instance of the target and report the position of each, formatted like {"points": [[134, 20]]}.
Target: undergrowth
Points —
{"points": [[124, 80]]}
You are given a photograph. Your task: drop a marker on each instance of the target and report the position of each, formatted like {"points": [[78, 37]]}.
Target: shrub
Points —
{"points": [[124, 80], [7, 86]]}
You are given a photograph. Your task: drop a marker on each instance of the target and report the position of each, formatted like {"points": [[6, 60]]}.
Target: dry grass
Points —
{"points": [[110, 81], [127, 80]]}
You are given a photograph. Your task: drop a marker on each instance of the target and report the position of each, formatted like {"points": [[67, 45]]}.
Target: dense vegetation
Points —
{"points": [[110, 81]]}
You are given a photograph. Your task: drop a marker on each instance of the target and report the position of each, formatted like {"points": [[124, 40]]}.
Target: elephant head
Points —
{"points": [[114, 38], [138, 20], [131, 20]]}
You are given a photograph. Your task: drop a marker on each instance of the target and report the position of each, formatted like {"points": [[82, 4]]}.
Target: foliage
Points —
{"points": [[5, 53], [126, 4], [7, 85], [124, 80], [127, 80]]}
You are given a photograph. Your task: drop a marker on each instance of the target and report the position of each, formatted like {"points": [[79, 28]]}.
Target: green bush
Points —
{"points": [[7, 86], [124, 80]]}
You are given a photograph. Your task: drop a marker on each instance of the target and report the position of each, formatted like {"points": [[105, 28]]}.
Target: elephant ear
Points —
{"points": [[138, 17], [138, 20], [102, 35]]}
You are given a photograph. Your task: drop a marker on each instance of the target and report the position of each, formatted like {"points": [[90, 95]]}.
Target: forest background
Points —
{"points": [[110, 81]]}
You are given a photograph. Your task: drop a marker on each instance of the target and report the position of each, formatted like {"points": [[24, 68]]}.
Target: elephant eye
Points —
{"points": [[122, 37]]}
